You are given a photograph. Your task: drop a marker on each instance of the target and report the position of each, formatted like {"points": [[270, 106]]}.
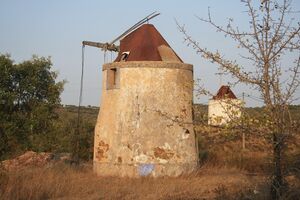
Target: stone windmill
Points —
{"points": [[145, 124]]}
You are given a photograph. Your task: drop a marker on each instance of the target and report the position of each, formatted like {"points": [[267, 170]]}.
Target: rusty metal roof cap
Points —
{"points": [[224, 93], [142, 45]]}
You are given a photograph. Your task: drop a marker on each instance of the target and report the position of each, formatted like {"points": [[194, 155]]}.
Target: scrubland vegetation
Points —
{"points": [[226, 171]]}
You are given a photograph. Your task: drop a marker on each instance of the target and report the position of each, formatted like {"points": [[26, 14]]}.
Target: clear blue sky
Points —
{"points": [[56, 28]]}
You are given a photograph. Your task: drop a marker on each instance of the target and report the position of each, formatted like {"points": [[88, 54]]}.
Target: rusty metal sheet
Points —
{"points": [[143, 45], [224, 92]]}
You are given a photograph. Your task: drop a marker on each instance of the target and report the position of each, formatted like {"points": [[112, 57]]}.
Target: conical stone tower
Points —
{"points": [[145, 124]]}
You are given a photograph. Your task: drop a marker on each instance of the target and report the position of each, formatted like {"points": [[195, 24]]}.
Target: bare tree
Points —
{"points": [[273, 35]]}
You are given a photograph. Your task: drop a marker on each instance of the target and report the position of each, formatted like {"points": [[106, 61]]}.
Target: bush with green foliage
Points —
{"points": [[29, 95]]}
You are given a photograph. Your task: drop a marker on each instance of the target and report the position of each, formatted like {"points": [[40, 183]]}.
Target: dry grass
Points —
{"points": [[224, 147], [66, 182], [227, 173]]}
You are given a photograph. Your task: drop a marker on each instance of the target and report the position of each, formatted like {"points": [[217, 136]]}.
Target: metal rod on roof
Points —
{"points": [[135, 26], [111, 46], [104, 46], [131, 28]]}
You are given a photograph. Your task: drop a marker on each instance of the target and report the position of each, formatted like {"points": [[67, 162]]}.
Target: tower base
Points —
{"points": [[139, 170]]}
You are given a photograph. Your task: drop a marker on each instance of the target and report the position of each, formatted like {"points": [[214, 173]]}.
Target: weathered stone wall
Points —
{"points": [[145, 126]]}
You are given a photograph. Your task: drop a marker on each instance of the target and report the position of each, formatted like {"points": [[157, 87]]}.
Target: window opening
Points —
{"points": [[113, 78]]}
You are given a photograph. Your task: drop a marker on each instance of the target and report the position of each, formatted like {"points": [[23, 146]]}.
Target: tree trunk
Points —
{"points": [[277, 180]]}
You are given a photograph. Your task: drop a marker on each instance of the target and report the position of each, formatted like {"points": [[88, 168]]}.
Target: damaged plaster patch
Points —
{"points": [[184, 111], [119, 159], [101, 150], [166, 146], [139, 157], [142, 158], [136, 148], [162, 153]]}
